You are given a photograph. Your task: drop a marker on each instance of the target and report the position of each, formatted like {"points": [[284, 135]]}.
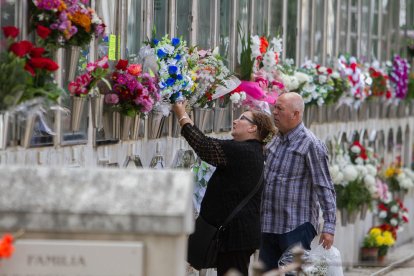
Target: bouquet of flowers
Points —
{"points": [[87, 82], [398, 178], [379, 85], [133, 92], [264, 56], [393, 213], [31, 72], [65, 22], [398, 72], [176, 81], [214, 79], [350, 69]]}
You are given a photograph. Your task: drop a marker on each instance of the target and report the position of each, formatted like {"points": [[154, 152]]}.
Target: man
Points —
{"points": [[297, 184]]}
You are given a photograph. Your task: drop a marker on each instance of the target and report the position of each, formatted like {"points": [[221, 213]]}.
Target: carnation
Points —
{"points": [[355, 149], [350, 173]]}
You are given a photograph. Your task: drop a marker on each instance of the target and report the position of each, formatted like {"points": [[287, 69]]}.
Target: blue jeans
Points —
{"points": [[272, 245]]}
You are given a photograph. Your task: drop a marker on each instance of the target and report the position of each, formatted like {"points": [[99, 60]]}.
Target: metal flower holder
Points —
{"points": [[97, 104], [156, 122], [203, 119], [77, 112]]}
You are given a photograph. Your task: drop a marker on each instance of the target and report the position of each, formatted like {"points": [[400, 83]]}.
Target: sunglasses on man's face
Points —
{"points": [[242, 117]]}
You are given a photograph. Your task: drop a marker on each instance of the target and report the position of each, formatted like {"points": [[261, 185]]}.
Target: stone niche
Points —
{"points": [[85, 221]]}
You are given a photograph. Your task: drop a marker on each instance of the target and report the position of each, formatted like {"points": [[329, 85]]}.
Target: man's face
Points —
{"points": [[283, 115]]}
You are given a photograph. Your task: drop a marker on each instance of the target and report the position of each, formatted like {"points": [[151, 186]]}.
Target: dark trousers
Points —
{"points": [[272, 246], [238, 260]]}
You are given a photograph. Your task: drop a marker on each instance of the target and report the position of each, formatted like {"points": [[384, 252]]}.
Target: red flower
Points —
{"points": [[122, 64], [29, 69], [44, 63], [329, 70], [10, 31], [6, 246], [382, 207], [43, 31], [405, 219], [21, 48], [37, 52], [263, 44]]}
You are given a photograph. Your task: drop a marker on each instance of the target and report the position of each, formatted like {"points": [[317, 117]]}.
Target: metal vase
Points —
{"points": [[344, 217], [78, 106], [112, 124], [135, 127], [364, 211], [72, 60], [202, 119], [352, 217], [219, 119], [155, 124], [97, 104], [4, 129], [28, 127], [126, 127], [176, 129]]}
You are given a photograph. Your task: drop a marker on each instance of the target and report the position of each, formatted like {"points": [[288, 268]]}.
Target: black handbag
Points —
{"points": [[204, 244]]}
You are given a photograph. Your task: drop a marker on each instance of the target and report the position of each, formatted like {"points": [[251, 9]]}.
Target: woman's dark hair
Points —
{"points": [[265, 126]]}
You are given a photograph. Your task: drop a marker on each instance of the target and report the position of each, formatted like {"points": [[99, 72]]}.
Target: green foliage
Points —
{"points": [[352, 196], [245, 67]]}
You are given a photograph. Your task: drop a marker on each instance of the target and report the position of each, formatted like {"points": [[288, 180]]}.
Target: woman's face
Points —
{"points": [[243, 127]]}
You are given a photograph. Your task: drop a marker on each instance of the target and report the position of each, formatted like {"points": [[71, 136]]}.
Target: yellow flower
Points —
{"points": [[388, 241], [380, 240], [389, 172], [375, 232]]}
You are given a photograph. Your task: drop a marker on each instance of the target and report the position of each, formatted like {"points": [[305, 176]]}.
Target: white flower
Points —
{"points": [[356, 149], [277, 44], [335, 75], [359, 161], [382, 214], [302, 77], [235, 97], [387, 198], [320, 101], [350, 173], [369, 181], [269, 60], [394, 209], [309, 87], [242, 95], [394, 222], [371, 169], [322, 79], [406, 183], [362, 170]]}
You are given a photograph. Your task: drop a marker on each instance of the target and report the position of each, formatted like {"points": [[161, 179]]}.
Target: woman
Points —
{"points": [[239, 165]]}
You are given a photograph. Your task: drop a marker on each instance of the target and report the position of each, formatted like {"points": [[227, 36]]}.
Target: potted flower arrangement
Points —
{"points": [[133, 94], [32, 85], [376, 243], [64, 23]]}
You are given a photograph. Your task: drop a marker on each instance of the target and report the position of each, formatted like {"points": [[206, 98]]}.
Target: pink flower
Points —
{"points": [[111, 98]]}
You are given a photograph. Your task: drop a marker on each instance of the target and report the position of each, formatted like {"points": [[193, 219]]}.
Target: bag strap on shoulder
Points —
{"points": [[242, 203]]}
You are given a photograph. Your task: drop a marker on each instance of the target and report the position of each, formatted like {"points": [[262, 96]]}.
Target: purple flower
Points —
{"points": [[111, 98], [47, 4], [122, 79]]}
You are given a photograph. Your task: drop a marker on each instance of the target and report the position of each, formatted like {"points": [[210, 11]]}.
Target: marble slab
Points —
{"points": [[98, 200]]}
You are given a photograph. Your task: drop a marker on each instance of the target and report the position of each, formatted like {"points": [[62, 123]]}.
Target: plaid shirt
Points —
{"points": [[297, 183]]}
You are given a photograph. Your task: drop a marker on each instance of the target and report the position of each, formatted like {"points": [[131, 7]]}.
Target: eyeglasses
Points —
{"points": [[242, 117]]}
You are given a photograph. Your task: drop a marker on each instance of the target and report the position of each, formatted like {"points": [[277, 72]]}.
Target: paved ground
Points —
{"points": [[399, 262]]}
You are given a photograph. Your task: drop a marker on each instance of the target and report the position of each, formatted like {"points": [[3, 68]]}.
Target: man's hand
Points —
{"points": [[326, 240]]}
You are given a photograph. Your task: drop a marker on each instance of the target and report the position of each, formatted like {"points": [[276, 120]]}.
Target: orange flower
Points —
{"points": [[82, 20], [62, 6], [263, 44], [6, 246]]}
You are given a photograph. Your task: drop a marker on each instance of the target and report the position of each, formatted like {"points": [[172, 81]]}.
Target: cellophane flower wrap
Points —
{"points": [[175, 77], [64, 23], [133, 92], [25, 72], [398, 73], [87, 82], [214, 79]]}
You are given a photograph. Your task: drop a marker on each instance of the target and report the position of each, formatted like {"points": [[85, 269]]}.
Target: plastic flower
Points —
{"points": [[6, 246]]}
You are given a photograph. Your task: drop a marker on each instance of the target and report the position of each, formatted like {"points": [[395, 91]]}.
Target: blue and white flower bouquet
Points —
{"points": [[175, 75]]}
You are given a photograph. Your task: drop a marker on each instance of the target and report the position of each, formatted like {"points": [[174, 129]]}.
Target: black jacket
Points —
{"points": [[238, 169]]}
